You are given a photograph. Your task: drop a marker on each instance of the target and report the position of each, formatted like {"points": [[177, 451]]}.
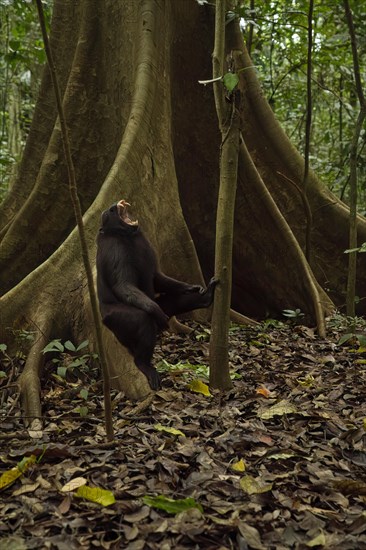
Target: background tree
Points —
{"points": [[142, 128], [21, 61], [279, 51], [351, 281]]}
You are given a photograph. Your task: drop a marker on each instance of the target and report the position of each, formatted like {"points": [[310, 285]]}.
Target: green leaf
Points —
{"points": [[6, 161], [170, 505], [82, 345], [289, 313], [83, 411], [3, 347], [230, 81], [362, 339], [69, 345], [55, 345], [27, 461], [11, 58], [345, 338], [40, 55], [84, 394], [14, 44], [61, 371], [77, 362]]}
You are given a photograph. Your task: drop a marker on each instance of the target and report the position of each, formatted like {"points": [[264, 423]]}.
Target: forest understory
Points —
{"points": [[275, 463]]}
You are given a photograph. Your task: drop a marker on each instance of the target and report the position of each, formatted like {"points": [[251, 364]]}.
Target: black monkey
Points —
{"points": [[135, 299]]}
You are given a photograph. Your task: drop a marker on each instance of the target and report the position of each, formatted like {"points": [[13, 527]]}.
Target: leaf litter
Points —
{"points": [[277, 462]]}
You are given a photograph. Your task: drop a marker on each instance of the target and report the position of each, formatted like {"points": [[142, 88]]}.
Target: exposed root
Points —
{"points": [[143, 405], [279, 223], [29, 380], [178, 327], [240, 319]]}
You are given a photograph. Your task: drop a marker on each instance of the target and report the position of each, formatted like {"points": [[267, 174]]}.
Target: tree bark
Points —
{"points": [[352, 262], [255, 293], [228, 120], [142, 170]]}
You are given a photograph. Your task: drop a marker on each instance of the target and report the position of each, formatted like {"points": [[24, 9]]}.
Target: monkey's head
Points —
{"points": [[116, 219]]}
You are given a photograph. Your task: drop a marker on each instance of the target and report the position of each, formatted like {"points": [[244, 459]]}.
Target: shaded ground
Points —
{"points": [[294, 425]]}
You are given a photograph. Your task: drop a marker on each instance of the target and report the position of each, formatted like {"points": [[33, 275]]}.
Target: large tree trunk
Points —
{"points": [[137, 119], [261, 263]]}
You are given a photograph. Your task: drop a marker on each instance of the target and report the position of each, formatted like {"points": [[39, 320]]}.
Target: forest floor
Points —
{"points": [[278, 462]]}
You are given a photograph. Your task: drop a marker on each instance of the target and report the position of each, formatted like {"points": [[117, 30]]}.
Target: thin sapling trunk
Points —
{"points": [[351, 280], [228, 118]]}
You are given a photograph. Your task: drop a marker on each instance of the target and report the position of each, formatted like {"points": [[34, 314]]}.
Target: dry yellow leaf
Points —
{"points": [[239, 466], [199, 387]]}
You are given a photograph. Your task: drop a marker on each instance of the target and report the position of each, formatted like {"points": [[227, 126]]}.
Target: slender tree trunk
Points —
{"points": [[228, 120], [309, 108], [352, 261], [220, 322], [14, 133]]}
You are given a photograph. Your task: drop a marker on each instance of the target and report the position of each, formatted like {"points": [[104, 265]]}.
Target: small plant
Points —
{"points": [[187, 369], [83, 409], [24, 335], [234, 327], [199, 370], [343, 322], [271, 323], [262, 339], [353, 338], [353, 327], [203, 336], [293, 314], [68, 358]]}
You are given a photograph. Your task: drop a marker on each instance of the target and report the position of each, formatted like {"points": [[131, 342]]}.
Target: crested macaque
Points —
{"points": [[136, 300]]}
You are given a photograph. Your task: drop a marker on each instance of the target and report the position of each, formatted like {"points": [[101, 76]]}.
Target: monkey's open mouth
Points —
{"points": [[123, 214]]}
